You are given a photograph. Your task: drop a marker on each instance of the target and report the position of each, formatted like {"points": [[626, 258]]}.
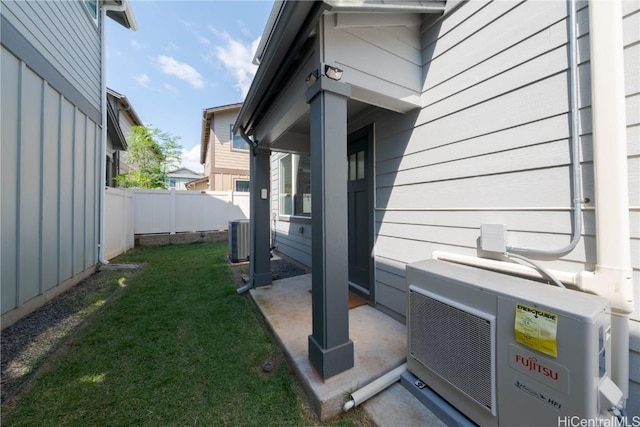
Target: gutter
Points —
{"points": [[269, 74]]}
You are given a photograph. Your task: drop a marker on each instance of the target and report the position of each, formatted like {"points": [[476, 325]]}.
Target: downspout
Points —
{"points": [[252, 144], [612, 277], [103, 107]]}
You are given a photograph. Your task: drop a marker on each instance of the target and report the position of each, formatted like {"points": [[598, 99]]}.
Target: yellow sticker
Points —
{"points": [[537, 329]]}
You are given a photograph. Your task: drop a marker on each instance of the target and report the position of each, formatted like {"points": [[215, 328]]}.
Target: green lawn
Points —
{"points": [[176, 347]]}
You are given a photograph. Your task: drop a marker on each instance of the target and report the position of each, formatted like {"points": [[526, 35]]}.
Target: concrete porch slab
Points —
{"points": [[379, 347]]}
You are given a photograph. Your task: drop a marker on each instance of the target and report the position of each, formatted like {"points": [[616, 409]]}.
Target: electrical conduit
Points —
{"points": [[576, 168]]}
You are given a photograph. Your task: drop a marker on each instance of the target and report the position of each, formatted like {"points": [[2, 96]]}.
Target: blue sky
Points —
{"points": [[185, 56]]}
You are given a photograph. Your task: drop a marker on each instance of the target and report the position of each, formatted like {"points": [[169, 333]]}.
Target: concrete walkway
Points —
{"points": [[379, 347]]}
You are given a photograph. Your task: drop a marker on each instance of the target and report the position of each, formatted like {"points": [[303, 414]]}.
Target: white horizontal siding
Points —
{"points": [[491, 145], [631, 38]]}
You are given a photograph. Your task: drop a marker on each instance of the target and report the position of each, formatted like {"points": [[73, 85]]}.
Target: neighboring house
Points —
{"points": [[387, 131], [179, 178], [120, 118], [54, 125], [225, 156]]}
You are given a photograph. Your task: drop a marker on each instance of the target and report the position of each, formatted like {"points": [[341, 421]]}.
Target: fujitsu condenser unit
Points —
{"points": [[508, 351], [239, 240]]}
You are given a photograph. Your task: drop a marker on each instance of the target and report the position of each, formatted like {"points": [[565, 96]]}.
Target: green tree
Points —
{"points": [[151, 154]]}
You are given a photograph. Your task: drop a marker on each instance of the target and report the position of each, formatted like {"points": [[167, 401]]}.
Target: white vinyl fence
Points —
{"points": [[171, 211], [118, 222], [131, 212]]}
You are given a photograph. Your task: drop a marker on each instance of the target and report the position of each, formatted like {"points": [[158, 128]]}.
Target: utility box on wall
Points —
{"points": [[239, 242], [508, 351]]}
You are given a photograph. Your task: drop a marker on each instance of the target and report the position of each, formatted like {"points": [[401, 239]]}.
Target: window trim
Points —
{"points": [[94, 17], [235, 185], [233, 137], [290, 217]]}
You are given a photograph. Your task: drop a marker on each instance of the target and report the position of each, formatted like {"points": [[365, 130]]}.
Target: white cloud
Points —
{"points": [[236, 57], [181, 70], [143, 80], [171, 47], [170, 88], [135, 44], [191, 159]]}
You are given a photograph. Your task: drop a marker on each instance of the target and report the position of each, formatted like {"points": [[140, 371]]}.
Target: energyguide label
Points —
{"points": [[536, 329]]}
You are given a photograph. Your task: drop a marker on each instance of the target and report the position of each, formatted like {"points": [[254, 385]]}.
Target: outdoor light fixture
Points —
{"points": [[332, 72], [311, 78]]}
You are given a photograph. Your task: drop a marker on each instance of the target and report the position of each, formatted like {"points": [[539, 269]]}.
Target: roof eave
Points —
{"points": [[115, 132], [286, 35], [207, 113], [282, 33], [125, 18], [127, 106]]}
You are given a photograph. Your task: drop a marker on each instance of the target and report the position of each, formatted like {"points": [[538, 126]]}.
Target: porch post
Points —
{"points": [[330, 349], [260, 229]]}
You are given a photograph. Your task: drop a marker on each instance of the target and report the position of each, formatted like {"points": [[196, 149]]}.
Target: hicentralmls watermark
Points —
{"points": [[575, 421]]}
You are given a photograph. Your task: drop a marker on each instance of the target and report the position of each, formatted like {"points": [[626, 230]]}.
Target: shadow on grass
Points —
{"points": [[177, 347], [29, 342]]}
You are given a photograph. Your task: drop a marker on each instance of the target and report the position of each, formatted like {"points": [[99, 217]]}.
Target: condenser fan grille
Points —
{"points": [[454, 344]]}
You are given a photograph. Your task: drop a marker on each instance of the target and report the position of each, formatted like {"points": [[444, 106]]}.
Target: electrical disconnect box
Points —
{"points": [[505, 350], [493, 237]]}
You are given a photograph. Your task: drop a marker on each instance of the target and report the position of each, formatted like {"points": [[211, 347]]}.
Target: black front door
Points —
{"points": [[360, 206]]}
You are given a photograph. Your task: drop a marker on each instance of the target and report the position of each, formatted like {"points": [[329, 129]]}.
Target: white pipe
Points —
{"points": [[375, 387], [547, 274], [103, 106], [506, 267], [613, 274]]}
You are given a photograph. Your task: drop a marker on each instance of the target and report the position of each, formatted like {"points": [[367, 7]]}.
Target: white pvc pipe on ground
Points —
{"points": [[375, 387]]}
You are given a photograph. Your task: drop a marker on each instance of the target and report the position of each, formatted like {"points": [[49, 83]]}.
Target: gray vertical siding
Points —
{"points": [[10, 77], [50, 174], [29, 185], [64, 34]]}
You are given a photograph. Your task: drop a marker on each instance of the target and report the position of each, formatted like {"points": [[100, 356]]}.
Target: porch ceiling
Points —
{"points": [[296, 138]]}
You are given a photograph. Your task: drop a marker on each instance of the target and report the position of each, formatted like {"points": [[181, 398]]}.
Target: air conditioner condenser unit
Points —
{"points": [[239, 241], [508, 351]]}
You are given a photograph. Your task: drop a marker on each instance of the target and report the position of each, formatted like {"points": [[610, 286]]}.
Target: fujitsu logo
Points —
{"points": [[531, 363]]}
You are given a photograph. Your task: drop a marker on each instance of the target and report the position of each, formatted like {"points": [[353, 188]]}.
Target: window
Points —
{"points": [[242, 185], [295, 185], [92, 8], [237, 142]]}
